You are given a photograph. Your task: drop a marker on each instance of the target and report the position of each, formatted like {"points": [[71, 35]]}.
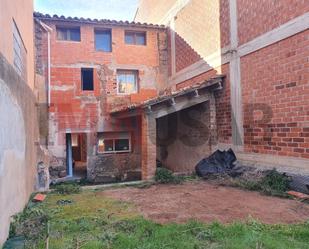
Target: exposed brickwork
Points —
{"points": [[77, 108], [185, 55], [202, 29], [148, 146], [258, 17], [275, 83], [74, 110]]}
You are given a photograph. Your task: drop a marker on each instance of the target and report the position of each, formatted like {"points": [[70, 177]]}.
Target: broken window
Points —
{"points": [[114, 142], [103, 40], [135, 38], [126, 81], [20, 52], [87, 79], [68, 34]]}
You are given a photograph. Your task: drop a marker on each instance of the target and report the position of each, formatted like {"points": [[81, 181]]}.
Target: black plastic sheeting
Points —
{"points": [[219, 162], [299, 183]]}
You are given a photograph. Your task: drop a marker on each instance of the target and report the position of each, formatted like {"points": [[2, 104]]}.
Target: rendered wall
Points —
{"points": [[21, 12], [183, 138], [18, 121], [18, 144]]}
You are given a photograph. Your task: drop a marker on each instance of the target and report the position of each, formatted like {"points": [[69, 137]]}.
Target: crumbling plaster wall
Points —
{"points": [[184, 137], [117, 166]]}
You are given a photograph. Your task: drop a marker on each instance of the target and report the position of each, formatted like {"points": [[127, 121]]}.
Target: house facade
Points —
{"points": [[94, 67]]}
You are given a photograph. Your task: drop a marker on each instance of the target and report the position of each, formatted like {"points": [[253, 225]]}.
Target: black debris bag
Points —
{"points": [[219, 162]]}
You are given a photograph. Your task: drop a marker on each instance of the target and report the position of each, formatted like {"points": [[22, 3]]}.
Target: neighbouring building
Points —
{"points": [[20, 153], [262, 48]]}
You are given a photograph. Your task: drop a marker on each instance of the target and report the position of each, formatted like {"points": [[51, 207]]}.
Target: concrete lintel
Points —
{"points": [[284, 31]]}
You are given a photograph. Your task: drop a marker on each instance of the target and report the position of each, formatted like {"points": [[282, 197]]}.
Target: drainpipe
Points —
{"points": [[48, 70], [48, 30]]}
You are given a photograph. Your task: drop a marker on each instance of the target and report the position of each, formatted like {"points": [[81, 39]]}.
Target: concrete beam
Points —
{"points": [[284, 31], [235, 80], [178, 106]]}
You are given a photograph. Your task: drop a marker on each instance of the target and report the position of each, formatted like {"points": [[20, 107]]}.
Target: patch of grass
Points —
{"points": [[164, 176], [273, 183], [93, 221], [67, 188]]}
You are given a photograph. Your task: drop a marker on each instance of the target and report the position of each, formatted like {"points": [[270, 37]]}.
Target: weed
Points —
{"points": [[273, 183], [67, 188], [164, 175]]}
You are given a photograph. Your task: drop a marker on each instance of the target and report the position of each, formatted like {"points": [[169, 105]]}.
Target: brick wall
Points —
{"points": [[258, 17], [275, 85], [77, 109]]}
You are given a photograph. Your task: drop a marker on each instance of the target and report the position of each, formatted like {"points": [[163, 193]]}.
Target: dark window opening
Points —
{"points": [[103, 40], [68, 34], [122, 144], [135, 38], [114, 142], [87, 79]]}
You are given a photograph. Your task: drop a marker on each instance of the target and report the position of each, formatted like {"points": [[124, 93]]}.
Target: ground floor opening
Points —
{"points": [[76, 155]]}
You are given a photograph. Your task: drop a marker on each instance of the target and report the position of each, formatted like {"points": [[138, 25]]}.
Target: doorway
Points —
{"points": [[77, 155]]}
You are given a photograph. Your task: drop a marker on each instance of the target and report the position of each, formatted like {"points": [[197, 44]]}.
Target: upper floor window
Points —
{"points": [[135, 38], [87, 79], [19, 50], [68, 34], [126, 81], [103, 40]]}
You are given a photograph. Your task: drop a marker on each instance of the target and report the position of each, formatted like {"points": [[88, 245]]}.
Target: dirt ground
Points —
{"points": [[208, 202]]}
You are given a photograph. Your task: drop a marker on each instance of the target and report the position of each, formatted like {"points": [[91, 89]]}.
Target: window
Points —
{"points": [[68, 34], [103, 40], [135, 38], [114, 142], [19, 50], [87, 79], [126, 81]]}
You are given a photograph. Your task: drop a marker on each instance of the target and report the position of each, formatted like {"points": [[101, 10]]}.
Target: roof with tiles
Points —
{"points": [[168, 95], [82, 20]]}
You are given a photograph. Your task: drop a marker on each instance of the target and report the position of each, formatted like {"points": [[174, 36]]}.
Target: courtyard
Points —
{"points": [[193, 214]]}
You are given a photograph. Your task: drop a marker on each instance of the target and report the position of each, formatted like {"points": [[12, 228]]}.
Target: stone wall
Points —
{"points": [[106, 168]]}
